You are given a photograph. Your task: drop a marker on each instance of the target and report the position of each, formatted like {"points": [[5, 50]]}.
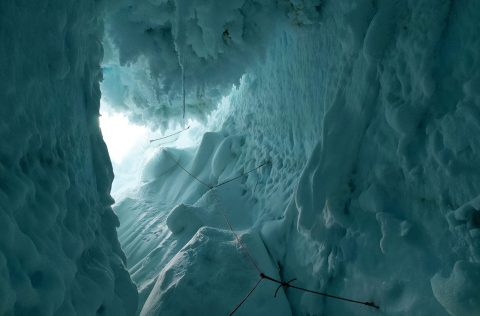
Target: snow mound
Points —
{"points": [[458, 292], [213, 275], [184, 219]]}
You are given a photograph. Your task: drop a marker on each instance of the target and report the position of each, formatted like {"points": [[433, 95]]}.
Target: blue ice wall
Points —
{"points": [[369, 116], [380, 100], [59, 253]]}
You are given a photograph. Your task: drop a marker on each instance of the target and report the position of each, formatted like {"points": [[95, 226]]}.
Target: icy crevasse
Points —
{"points": [[370, 119], [59, 252]]}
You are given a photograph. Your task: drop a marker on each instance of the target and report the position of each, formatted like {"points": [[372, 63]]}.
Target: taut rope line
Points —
{"points": [[262, 275]]}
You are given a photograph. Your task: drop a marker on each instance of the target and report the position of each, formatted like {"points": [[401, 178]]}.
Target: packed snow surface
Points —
{"points": [[369, 114]]}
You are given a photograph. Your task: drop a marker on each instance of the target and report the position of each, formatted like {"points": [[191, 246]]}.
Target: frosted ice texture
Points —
{"points": [[371, 121], [59, 253], [367, 110], [148, 43]]}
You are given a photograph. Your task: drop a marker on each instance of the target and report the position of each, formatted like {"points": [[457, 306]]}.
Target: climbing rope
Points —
{"points": [[239, 241], [210, 187], [182, 67], [176, 133], [263, 276], [286, 285], [249, 171], [245, 298], [282, 284], [188, 172], [183, 85]]}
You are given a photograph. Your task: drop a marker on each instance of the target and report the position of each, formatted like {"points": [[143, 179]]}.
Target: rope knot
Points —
{"points": [[285, 286]]}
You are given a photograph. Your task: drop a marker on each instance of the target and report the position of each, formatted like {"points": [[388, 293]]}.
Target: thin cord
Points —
{"points": [[242, 245], [183, 85], [287, 285], [240, 242], [183, 93], [220, 184], [183, 130], [178, 164], [182, 67], [181, 63], [238, 177], [246, 297], [247, 252], [168, 142]]}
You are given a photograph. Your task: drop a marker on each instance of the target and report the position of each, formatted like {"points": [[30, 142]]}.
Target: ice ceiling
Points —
{"points": [[149, 45], [362, 107]]}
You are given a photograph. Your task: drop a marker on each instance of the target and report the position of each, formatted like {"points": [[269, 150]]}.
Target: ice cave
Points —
{"points": [[239, 157]]}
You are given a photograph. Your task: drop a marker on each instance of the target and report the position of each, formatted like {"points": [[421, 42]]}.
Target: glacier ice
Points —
{"points": [[59, 252], [367, 112], [149, 44]]}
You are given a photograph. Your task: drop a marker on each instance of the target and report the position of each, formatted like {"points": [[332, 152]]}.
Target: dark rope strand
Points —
{"points": [[183, 86], [220, 184], [182, 66], [240, 242], [245, 249], [156, 139], [287, 285], [245, 298], [238, 177], [167, 142], [178, 164]]}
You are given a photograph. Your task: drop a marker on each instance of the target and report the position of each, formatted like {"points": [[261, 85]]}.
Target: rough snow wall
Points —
{"points": [[385, 208], [370, 119], [150, 44], [59, 253]]}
